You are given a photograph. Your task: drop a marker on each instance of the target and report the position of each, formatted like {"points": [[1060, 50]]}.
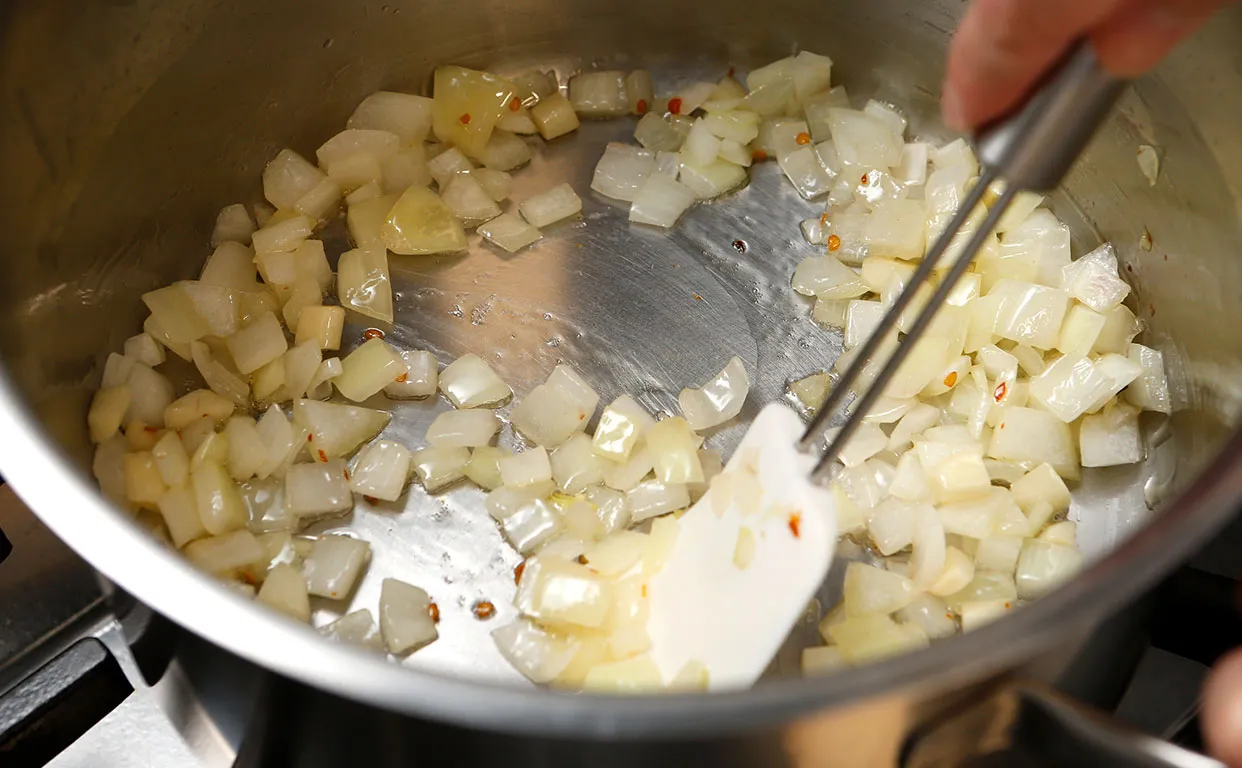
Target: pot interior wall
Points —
{"points": [[131, 125]]}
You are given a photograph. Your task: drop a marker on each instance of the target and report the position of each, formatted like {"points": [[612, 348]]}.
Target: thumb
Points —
{"points": [[1222, 709]]}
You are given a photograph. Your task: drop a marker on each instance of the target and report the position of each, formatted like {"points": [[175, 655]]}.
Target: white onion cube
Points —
{"points": [[438, 468], [405, 617], [510, 231], [548, 207], [469, 382], [421, 379], [463, 429], [381, 470], [660, 201]]}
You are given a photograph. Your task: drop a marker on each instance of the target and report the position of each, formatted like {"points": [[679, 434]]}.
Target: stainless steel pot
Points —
{"points": [[130, 124]]}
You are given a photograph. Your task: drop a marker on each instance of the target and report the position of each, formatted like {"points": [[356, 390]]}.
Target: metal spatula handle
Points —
{"points": [[1031, 149]]}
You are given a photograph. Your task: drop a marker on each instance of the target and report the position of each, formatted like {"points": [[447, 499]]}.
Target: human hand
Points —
{"points": [[1003, 46]]}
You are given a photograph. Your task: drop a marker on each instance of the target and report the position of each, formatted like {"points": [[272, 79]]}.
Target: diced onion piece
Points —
{"points": [[420, 223], [554, 116], [977, 613], [258, 343], [638, 674], [421, 379], [280, 439], [896, 229], [539, 654], [285, 590], [576, 466], [368, 369], [568, 593], [827, 278], [220, 554], [406, 115], [871, 590], [322, 325], [530, 526], [655, 133], [1120, 327], [654, 498], [1111, 438], [334, 564], [318, 488], [483, 469], [336, 429], [448, 164], [548, 207], [143, 483], [467, 103], [219, 504], [1043, 565], [219, 378], [246, 451], [197, 404], [701, 145], [357, 628], [180, 513], [171, 309], [1027, 434], [1150, 391], [620, 427], [234, 224], [405, 617], [505, 152], [986, 585], [867, 638], [931, 614], [1093, 280], [107, 411], [717, 401], [616, 554], [497, 184], [610, 508], [1028, 313], [639, 91], [599, 94], [287, 177], [463, 429], [284, 235], [660, 201], [526, 468], [1070, 387], [468, 201], [510, 231], [519, 122], [438, 468], [381, 470], [469, 382], [144, 349], [621, 171], [803, 169], [864, 140], [675, 452], [712, 180]]}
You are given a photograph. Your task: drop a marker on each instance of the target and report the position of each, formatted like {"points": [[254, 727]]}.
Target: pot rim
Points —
{"points": [[72, 507]]}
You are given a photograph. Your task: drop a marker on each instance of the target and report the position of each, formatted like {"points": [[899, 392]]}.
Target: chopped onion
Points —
{"points": [[195, 405], [930, 613], [526, 468], [421, 379], [246, 451], [550, 206], [540, 655], [674, 450], [219, 504], [599, 94], [1093, 279], [483, 469], [654, 498], [420, 223], [406, 115], [827, 278], [505, 152], [335, 429], [568, 593], [285, 590], [463, 429], [1150, 390], [532, 525], [1111, 438], [713, 179], [448, 164], [660, 201], [639, 91], [405, 617], [468, 201], [622, 170], [505, 501], [576, 466], [233, 223], [179, 510], [381, 470], [467, 105], [322, 325], [554, 116], [620, 427], [469, 382], [357, 628], [220, 554], [718, 400], [334, 564], [638, 674], [107, 411], [438, 468], [288, 177], [867, 638], [510, 231], [318, 488], [986, 585], [656, 134], [1044, 565], [1070, 387], [368, 369]]}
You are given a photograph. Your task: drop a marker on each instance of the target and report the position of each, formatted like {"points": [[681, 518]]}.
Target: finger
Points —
{"points": [[1002, 47], [1137, 38], [1222, 710]]}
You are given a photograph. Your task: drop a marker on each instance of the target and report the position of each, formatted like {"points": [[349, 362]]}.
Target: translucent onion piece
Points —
{"points": [[438, 468], [1093, 279], [554, 116], [179, 510], [363, 284], [661, 201], [930, 613], [599, 94], [219, 503], [569, 593], [634, 675], [717, 401], [318, 488], [285, 590], [337, 429], [420, 223], [107, 411], [549, 417], [219, 378], [463, 429], [510, 231], [422, 376], [144, 349], [656, 134], [258, 343], [469, 382], [233, 223], [368, 369], [357, 628], [653, 498], [287, 177], [531, 526], [867, 638], [1070, 387], [467, 105], [1150, 391], [1111, 438], [526, 468], [553, 205], [406, 115], [444, 166], [576, 466], [610, 508], [711, 180], [468, 201], [620, 427], [1043, 565], [381, 470], [483, 469], [504, 501], [334, 564], [405, 617], [827, 278], [540, 655], [675, 452], [821, 659], [246, 450], [863, 140]]}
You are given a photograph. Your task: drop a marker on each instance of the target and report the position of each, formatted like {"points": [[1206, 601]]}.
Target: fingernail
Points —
{"points": [[951, 110]]}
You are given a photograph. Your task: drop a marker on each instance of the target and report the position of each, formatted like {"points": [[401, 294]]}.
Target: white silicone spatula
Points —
{"points": [[747, 559]]}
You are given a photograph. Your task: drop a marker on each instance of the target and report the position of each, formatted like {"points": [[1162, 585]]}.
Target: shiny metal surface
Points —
{"points": [[119, 155]]}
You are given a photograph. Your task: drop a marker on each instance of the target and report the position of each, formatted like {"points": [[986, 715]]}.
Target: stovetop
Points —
{"points": [[154, 701]]}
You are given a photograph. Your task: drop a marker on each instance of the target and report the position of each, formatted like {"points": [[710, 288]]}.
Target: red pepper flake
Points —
{"points": [[731, 71], [834, 242], [641, 107], [323, 456], [517, 572], [347, 473], [372, 333], [1007, 605], [401, 379], [515, 104], [1002, 426], [951, 379], [433, 611], [948, 616], [758, 156], [370, 499], [582, 417], [823, 218], [795, 525], [582, 560], [465, 119], [674, 106], [803, 138], [310, 438], [205, 416], [484, 610], [865, 179], [696, 297], [1001, 390], [249, 578], [1152, 307]]}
